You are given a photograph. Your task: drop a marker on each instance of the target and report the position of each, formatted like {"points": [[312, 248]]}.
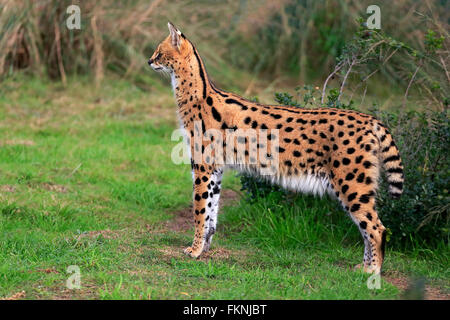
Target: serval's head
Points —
{"points": [[171, 52]]}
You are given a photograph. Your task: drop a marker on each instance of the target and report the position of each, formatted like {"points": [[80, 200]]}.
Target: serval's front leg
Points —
{"points": [[203, 203], [212, 207]]}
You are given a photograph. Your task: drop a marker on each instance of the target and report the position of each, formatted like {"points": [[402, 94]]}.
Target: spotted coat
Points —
{"points": [[333, 151]]}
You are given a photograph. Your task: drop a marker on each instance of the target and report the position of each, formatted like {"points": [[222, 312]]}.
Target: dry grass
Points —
{"points": [[251, 35]]}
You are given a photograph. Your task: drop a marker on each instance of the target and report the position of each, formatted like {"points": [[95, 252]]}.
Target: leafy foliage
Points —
{"points": [[422, 213]]}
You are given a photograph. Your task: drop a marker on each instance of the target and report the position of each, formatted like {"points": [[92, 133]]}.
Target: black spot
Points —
{"points": [[352, 196], [288, 129], [360, 178], [363, 225], [331, 128], [355, 207], [340, 122], [336, 164], [344, 188], [351, 150], [358, 159], [288, 163], [346, 161], [247, 120], [216, 114], [297, 153], [367, 164], [209, 101], [364, 198], [349, 176]]}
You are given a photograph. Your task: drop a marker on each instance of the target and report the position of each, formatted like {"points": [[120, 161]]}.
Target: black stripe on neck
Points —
{"points": [[202, 74]]}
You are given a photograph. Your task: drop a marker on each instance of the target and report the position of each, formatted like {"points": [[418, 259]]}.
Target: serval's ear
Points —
{"points": [[175, 36]]}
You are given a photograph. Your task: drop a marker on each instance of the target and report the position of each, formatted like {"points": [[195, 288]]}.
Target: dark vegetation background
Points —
{"points": [[310, 53]]}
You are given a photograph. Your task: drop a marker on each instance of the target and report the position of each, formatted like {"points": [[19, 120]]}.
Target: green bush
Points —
{"points": [[421, 214]]}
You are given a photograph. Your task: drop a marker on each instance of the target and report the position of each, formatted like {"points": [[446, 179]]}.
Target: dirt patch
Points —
{"points": [[17, 142], [411, 290], [167, 253], [217, 253], [54, 187], [47, 270], [7, 188], [87, 291], [15, 296], [183, 220], [107, 234], [171, 252]]}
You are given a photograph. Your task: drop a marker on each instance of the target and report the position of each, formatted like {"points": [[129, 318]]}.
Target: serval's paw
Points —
{"points": [[370, 269], [192, 253]]}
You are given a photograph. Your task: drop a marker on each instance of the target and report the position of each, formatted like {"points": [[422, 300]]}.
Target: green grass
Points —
{"points": [[86, 179]]}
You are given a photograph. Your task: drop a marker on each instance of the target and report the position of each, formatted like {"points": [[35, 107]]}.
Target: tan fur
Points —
{"points": [[322, 150]]}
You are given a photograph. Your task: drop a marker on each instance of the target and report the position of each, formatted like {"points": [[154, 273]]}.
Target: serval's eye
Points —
{"points": [[158, 56]]}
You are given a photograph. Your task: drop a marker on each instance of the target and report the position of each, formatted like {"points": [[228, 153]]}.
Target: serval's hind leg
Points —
{"points": [[356, 192]]}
